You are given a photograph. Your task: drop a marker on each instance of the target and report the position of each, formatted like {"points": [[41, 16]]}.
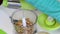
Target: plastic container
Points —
{"points": [[5, 3], [47, 22], [31, 18], [50, 7]]}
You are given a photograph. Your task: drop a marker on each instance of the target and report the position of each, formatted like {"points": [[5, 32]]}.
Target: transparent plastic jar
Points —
{"points": [[31, 19]]}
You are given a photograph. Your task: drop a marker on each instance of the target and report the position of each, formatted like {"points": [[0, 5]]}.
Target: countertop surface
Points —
{"points": [[9, 11]]}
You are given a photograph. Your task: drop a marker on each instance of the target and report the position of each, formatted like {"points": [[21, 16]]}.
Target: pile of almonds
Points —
{"points": [[21, 30]]}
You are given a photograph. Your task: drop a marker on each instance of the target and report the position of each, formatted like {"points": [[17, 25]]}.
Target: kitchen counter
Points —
{"points": [[9, 11]]}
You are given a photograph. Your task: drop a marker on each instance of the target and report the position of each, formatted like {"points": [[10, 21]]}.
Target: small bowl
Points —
{"points": [[18, 15]]}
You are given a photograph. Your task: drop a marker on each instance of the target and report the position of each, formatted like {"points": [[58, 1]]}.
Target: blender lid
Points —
{"points": [[5, 23]]}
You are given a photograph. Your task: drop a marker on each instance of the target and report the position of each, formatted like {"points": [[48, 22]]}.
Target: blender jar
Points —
{"points": [[30, 19]]}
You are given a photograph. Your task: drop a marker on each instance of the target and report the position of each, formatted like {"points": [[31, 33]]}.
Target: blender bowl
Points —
{"points": [[30, 19]]}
